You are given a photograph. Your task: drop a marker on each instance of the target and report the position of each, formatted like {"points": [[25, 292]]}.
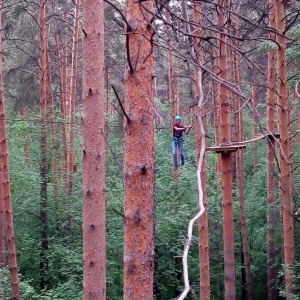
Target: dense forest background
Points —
{"points": [[175, 198]]}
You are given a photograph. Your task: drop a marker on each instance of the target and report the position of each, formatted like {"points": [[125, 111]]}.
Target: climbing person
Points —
{"points": [[177, 140]]}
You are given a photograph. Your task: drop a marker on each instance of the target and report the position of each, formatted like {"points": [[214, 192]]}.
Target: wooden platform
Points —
{"points": [[226, 148], [232, 147]]}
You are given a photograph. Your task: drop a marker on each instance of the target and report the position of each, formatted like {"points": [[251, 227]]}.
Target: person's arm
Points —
{"points": [[188, 129]]}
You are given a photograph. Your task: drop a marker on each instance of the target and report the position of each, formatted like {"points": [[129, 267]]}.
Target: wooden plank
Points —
{"points": [[225, 148]]}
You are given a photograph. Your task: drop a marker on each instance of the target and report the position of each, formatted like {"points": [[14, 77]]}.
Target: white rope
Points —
{"points": [[188, 242]]}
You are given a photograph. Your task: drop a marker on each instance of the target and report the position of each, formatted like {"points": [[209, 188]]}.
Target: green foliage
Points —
{"points": [[266, 46]]}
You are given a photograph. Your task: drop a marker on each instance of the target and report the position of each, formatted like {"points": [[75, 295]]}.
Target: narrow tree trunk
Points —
{"points": [[216, 109], [54, 165], [63, 126], [285, 152], [233, 110], [241, 192], [44, 280], [271, 179], [71, 120], [64, 109], [93, 162], [228, 232], [203, 246], [253, 101], [6, 194], [173, 101], [171, 78], [238, 124], [139, 156]]}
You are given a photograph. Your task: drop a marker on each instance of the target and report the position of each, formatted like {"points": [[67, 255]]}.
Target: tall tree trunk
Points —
{"points": [[44, 280], [93, 162], [271, 148], [216, 108], [172, 84], [54, 165], [171, 77], [138, 256], [285, 152], [71, 120], [241, 192], [238, 124], [64, 109], [228, 232], [203, 245], [5, 186]]}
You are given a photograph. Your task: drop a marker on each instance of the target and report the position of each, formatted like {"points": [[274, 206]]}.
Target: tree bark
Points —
{"points": [[171, 79], [54, 164], [238, 125], [5, 187], [253, 101], [44, 280], [203, 246], [285, 152], [271, 179], [139, 155], [228, 231], [93, 162], [71, 120]]}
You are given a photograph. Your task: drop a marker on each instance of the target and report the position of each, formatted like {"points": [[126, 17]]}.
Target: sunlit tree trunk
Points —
{"points": [[228, 232], [44, 280], [138, 258], [285, 152], [93, 162], [271, 148], [5, 187]]}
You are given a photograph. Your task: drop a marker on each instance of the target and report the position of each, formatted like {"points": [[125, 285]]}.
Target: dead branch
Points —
{"points": [[121, 105]]}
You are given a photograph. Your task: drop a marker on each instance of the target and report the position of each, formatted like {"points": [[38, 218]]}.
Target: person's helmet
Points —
{"points": [[177, 118]]}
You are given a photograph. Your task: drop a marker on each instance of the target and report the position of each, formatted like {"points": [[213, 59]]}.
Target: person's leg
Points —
{"points": [[174, 146], [180, 147]]}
